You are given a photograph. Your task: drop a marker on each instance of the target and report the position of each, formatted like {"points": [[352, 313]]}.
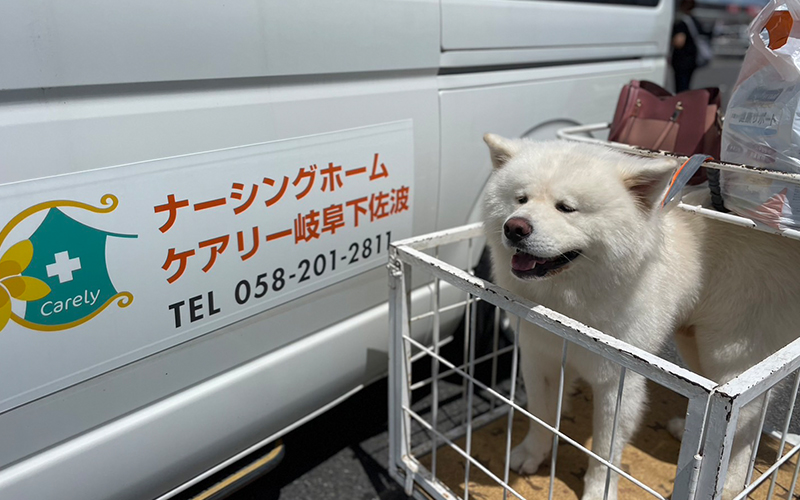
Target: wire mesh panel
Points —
{"points": [[458, 407]]}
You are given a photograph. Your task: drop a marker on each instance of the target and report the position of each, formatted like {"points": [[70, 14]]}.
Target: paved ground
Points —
{"points": [[342, 454], [722, 73]]}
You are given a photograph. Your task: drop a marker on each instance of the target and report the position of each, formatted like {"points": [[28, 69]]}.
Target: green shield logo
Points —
{"points": [[60, 271], [70, 258]]}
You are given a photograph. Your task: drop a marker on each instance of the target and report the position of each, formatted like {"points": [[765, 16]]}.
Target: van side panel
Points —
{"points": [[93, 42]]}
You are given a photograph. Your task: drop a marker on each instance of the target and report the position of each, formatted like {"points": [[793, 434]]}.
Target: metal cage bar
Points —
{"points": [[514, 373], [785, 431], [769, 472], [690, 457], [651, 366], [544, 424], [470, 391], [399, 325], [495, 347], [559, 405], [752, 463], [435, 369], [470, 460], [794, 477], [611, 451], [579, 134]]}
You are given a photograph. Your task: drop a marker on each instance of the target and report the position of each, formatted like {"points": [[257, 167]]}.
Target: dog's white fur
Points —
{"points": [[730, 295]]}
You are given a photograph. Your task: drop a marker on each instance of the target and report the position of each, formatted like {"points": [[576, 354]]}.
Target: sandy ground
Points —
{"points": [[651, 457]]}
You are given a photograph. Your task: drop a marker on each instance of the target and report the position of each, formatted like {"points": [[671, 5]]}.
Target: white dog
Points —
{"points": [[579, 229]]}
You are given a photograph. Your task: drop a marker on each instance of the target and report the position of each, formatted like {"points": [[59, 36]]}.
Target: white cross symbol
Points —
{"points": [[63, 267]]}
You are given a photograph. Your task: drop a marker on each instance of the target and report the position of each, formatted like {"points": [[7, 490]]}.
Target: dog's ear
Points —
{"points": [[647, 180], [501, 149]]}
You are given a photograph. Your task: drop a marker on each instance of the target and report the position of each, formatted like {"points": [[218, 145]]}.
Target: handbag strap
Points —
{"points": [[690, 25], [655, 89], [625, 108], [663, 135]]}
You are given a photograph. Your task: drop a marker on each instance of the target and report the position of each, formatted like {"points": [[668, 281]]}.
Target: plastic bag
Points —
{"points": [[762, 122]]}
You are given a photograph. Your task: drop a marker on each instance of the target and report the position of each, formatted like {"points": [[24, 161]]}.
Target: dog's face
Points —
{"points": [[553, 207]]}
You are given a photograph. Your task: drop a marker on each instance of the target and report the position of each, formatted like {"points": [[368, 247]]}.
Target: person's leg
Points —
{"points": [[683, 79], [681, 82]]}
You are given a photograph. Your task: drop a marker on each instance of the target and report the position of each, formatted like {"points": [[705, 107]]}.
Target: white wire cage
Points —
{"points": [[424, 384]]}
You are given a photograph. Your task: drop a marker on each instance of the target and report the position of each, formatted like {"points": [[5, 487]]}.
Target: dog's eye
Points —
{"points": [[522, 200], [563, 207]]}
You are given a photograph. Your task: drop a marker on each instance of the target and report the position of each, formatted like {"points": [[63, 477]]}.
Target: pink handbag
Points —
{"points": [[651, 117]]}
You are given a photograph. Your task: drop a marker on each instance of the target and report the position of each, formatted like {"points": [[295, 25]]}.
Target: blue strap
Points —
{"points": [[681, 178]]}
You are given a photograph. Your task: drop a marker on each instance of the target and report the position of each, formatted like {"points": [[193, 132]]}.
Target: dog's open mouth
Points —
{"points": [[527, 266]]}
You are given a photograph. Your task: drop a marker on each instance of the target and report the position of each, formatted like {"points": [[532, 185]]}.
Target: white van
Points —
{"points": [[187, 305]]}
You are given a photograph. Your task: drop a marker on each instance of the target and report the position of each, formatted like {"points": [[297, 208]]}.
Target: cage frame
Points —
{"points": [[712, 412]]}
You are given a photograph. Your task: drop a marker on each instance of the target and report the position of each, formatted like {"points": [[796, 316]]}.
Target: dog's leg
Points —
{"points": [[686, 342], [634, 399], [747, 429], [718, 367], [541, 374]]}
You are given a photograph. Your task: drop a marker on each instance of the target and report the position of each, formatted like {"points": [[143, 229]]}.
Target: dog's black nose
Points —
{"points": [[517, 229]]}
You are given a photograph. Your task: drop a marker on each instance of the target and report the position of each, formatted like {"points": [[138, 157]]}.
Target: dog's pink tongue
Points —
{"points": [[523, 262]]}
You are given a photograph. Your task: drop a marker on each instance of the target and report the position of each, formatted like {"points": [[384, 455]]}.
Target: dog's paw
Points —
{"points": [[735, 482], [594, 495], [595, 484], [731, 493], [527, 457], [676, 426]]}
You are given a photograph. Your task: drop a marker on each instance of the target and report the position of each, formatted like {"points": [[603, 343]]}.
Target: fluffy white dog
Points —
{"points": [[578, 228]]}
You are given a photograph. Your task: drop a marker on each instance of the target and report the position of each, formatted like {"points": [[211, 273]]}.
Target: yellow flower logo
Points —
{"points": [[25, 288]]}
